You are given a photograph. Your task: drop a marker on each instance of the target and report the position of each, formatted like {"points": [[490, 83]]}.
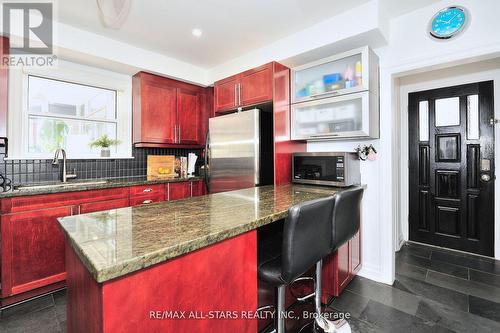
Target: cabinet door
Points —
{"points": [[355, 254], [103, 205], [198, 188], [189, 115], [225, 94], [158, 113], [256, 86], [343, 267], [178, 191], [32, 250]]}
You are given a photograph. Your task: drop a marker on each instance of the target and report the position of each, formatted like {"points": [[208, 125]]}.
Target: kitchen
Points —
{"points": [[112, 183]]}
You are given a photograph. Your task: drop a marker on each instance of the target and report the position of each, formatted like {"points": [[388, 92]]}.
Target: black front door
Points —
{"points": [[451, 137]]}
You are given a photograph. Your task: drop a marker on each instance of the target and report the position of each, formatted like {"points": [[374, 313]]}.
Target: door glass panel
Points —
{"points": [[448, 111], [423, 116], [473, 117], [448, 148], [328, 118]]}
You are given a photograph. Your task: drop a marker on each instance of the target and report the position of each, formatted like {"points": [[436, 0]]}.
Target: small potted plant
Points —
{"points": [[104, 142]]}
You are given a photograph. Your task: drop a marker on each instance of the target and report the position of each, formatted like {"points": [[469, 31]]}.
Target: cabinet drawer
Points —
{"points": [[103, 205], [147, 190], [146, 199]]}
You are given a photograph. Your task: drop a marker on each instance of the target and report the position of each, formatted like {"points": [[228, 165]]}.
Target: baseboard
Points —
{"points": [[373, 273]]}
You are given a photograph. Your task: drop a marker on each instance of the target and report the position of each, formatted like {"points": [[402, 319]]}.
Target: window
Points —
{"points": [[69, 108]]}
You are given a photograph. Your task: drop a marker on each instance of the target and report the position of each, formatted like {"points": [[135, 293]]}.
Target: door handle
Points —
{"points": [[485, 178]]}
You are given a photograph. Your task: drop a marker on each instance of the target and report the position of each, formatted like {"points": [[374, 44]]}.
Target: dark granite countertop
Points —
{"points": [[85, 185], [117, 242]]}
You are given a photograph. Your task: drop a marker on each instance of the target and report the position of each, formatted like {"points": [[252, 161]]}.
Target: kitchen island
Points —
{"points": [[183, 266]]}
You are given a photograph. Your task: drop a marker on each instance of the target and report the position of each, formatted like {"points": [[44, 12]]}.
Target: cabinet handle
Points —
{"points": [[235, 95], [239, 94], [147, 202], [148, 190]]}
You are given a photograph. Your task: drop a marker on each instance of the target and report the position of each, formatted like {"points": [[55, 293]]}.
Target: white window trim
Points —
{"points": [[75, 73]]}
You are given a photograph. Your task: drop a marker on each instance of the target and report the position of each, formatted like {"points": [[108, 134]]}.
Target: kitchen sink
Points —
{"points": [[57, 185]]}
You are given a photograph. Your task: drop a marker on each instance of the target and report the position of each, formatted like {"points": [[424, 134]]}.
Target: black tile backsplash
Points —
{"points": [[39, 171]]}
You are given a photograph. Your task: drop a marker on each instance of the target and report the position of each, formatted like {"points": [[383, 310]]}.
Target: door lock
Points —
{"points": [[485, 178]]}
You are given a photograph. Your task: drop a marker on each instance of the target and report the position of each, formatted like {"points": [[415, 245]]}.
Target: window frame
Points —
{"points": [[71, 73]]}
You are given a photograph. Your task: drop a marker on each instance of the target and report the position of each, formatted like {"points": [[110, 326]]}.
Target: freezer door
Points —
{"points": [[234, 151]]}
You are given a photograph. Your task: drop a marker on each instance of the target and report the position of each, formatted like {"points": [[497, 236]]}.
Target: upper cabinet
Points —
{"points": [[336, 97], [169, 113], [245, 89]]}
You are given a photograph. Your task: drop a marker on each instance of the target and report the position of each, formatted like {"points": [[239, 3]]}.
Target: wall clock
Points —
{"points": [[448, 22]]}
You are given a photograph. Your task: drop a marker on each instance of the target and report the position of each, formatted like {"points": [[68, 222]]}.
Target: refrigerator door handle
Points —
{"points": [[207, 158]]}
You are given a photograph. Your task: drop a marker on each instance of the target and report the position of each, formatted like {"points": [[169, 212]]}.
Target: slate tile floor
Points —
{"points": [[435, 291]]}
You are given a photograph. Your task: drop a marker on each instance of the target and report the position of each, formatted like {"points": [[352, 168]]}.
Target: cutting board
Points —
{"points": [[161, 167]]}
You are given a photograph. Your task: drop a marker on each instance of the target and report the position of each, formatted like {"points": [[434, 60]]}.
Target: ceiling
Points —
{"points": [[230, 28]]}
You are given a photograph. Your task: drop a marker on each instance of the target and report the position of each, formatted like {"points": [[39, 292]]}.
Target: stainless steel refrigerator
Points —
{"points": [[239, 151]]}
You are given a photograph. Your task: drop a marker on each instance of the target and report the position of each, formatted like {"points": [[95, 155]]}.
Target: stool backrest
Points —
{"points": [[346, 215], [307, 236]]}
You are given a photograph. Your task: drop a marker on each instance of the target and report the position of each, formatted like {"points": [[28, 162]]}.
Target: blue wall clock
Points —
{"points": [[448, 22]]}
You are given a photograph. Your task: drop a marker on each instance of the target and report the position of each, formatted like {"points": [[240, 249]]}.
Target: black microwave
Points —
{"points": [[332, 169]]}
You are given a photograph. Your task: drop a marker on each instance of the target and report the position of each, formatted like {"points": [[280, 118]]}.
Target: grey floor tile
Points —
{"points": [[442, 295], [435, 265], [359, 326], [390, 319], [409, 270], [385, 294], [455, 320], [484, 308], [417, 250], [27, 307], [350, 302], [486, 278], [43, 320], [464, 286], [477, 263]]}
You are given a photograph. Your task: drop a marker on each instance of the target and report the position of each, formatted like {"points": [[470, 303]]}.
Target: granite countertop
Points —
{"points": [[117, 242], [85, 185]]}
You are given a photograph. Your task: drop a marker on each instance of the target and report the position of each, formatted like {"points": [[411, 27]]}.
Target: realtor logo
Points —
{"points": [[29, 26]]}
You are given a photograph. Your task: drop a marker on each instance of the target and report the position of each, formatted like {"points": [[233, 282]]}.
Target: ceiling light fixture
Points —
{"points": [[113, 12], [197, 32]]}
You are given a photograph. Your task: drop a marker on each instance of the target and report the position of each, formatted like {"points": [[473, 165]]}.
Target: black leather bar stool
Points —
{"points": [[345, 224], [307, 239]]}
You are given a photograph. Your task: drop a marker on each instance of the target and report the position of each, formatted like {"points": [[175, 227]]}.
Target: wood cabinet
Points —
{"points": [[178, 191], [103, 205], [168, 113], [32, 250], [245, 89]]}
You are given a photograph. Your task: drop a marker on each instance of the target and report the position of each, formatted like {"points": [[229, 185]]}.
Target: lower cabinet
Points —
{"points": [[103, 205], [178, 191], [32, 250], [33, 245]]}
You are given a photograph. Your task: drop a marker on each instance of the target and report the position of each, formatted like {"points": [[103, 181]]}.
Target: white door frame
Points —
{"points": [[402, 233]]}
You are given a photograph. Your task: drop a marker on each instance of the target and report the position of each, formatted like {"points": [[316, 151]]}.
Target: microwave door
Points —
{"points": [[234, 151]]}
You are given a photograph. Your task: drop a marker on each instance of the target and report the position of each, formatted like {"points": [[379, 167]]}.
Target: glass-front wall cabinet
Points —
{"points": [[336, 97]]}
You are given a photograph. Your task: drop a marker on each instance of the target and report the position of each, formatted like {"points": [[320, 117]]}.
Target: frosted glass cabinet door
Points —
{"points": [[337, 75], [343, 116]]}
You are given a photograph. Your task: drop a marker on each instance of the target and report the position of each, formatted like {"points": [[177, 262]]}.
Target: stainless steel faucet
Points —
{"points": [[55, 161]]}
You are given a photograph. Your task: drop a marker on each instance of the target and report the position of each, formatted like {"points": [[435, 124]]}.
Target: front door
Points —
{"points": [[451, 147]]}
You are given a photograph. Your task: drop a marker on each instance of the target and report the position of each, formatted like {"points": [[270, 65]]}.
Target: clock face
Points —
{"points": [[448, 22]]}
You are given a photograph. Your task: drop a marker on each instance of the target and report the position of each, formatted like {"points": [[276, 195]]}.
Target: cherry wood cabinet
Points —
{"points": [[168, 113], [103, 205], [178, 191], [245, 89], [32, 250], [189, 117]]}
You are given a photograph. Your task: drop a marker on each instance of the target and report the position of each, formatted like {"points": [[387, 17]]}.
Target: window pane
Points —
{"points": [[423, 115], [448, 111], [473, 117], [70, 99], [46, 134]]}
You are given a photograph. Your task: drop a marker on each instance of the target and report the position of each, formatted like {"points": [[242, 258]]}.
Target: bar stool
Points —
{"points": [[307, 239], [345, 224]]}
